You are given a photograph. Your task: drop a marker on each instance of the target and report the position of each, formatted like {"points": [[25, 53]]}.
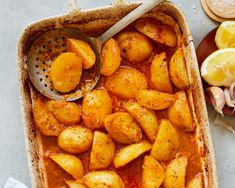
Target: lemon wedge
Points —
{"points": [[225, 35], [218, 69]]}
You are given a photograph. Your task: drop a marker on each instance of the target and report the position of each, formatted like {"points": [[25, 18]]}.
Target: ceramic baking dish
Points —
{"points": [[99, 20]]}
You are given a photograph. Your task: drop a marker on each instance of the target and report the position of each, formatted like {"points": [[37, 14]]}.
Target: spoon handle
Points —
{"points": [[132, 16]]}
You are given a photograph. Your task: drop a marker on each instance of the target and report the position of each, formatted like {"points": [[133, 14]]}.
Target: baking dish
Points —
{"points": [[99, 20]]}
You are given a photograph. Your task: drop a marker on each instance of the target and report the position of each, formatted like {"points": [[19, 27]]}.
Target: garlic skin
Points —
{"points": [[217, 98], [232, 91], [228, 99]]}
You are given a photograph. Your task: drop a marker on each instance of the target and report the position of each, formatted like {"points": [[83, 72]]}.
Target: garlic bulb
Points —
{"points": [[217, 98]]}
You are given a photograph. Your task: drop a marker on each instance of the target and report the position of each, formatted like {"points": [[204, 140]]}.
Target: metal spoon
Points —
{"points": [[46, 47]]}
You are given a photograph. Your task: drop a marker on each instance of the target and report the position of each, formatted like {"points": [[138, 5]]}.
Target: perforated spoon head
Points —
{"points": [[42, 52]]}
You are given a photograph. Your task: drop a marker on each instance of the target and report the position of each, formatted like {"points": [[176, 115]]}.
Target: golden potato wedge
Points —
{"points": [[153, 173], [155, 100], [196, 182], [130, 152], [102, 152], [110, 57], [75, 139], [166, 143], [82, 49], [71, 164], [122, 127], [178, 71], [146, 118], [66, 72], [44, 120], [159, 33], [75, 184], [159, 74], [65, 112], [96, 105], [134, 46], [125, 82], [179, 113], [175, 173], [103, 179]]}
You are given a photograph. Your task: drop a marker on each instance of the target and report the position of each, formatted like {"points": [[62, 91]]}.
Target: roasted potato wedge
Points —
{"points": [[75, 139], [44, 120], [166, 143], [155, 100], [71, 164], [110, 57], [178, 71], [159, 33], [65, 112], [159, 74], [96, 105], [152, 174], [196, 182], [175, 173], [125, 82], [146, 118], [66, 72], [135, 47], [122, 127], [82, 49], [102, 153], [103, 179], [130, 152], [75, 184], [179, 113]]}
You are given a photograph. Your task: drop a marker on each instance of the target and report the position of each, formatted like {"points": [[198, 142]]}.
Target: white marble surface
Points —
{"points": [[14, 16]]}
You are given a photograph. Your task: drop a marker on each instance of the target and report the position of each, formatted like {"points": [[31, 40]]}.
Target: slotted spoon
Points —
{"points": [[47, 46]]}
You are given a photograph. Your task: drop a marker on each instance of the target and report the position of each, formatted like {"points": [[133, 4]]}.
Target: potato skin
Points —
{"points": [[175, 173], [146, 118], [134, 46], [75, 184], [130, 152], [102, 152], [103, 179], [155, 100], [65, 112], [159, 33], [152, 173], [96, 105], [166, 143], [75, 139], [178, 71], [66, 72], [110, 57], [44, 120], [159, 74], [125, 82], [71, 164], [123, 128], [196, 182], [179, 113], [82, 49]]}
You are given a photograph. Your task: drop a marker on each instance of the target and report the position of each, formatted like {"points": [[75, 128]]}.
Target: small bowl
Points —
{"points": [[206, 47]]}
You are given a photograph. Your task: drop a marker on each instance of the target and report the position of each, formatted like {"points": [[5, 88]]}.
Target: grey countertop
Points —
{"points": [[14, 16]]}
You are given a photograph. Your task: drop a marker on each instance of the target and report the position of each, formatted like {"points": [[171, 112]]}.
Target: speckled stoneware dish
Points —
{"points": [[99, 20]]}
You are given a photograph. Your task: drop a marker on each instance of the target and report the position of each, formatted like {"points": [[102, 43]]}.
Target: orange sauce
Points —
{"points": [[131, 173]]}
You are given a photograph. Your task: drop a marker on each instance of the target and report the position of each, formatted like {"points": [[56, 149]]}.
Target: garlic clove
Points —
{"points": [[228, 100], [232, 91], [217, 98]]}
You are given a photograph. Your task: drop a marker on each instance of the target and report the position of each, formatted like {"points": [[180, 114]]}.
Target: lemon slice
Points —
{"points": [[218, 69], [225, 35]]}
